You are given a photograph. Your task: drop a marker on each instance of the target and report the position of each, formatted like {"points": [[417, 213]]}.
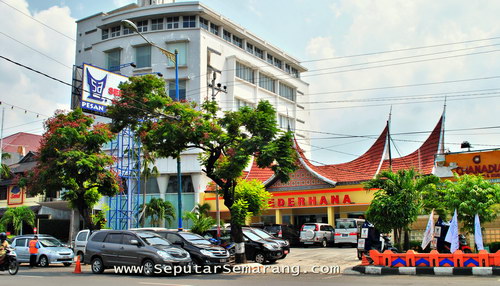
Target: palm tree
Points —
{"points": [[201, 223], [397, 202], [18, 216], [159, 210], [202, 209], [4, 169]]}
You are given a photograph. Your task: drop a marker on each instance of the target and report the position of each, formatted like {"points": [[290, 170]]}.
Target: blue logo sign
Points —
{"points": [[96, 87]]}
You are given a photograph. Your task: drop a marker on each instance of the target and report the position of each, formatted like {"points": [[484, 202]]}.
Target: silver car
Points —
{"points": [[51, 251], [316, 233]]}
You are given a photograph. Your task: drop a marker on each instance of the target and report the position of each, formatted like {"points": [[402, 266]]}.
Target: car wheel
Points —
{"points": [[44, 261], [97, 265], [148, 267], [259, 257], [324, 243]]}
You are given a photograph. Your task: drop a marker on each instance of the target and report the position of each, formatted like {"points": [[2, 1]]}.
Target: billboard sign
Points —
{"points": [[15, 195], [99, 88]]}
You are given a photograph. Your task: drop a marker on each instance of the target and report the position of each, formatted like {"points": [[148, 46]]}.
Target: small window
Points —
{"points": [[226, 35], [182, 96], [249, 48], [238, 41], [323, 228], [187, 184], [270, 59], [157, 24], [287, 92], [127, 238], [127, 31], [113, 60], [21, 242], [287, 68], [245, 73], [204, 23], [267, 82], [142, 26], [189, 21], [98, 236], [143, 56], [115, 31], [172, 23], [105, 34], [114, 238], [82, 236], [295, 73], [174, 238], [214, 29], [278, 63], [259, 53]]}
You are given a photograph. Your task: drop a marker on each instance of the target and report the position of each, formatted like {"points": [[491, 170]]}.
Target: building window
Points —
{"points": [[287, 92], [238, 41], [226, 36], [204, 23], [172, 22], [113, 60], [287, 68], [143, 56], [259, 53], [295, 73], [188, 21], [238, 103], [182, 89], [127, 31], [115, 31], [245, 73], [267, 83], [105, 34], [286, 122], [270, 59], [157, 24], [214, 29], [181, 48], [278, 63], [142, 26], [187, 184], [249, 48]]}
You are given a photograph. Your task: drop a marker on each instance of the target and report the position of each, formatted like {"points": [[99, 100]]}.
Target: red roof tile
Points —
{"points": [[31, 142], [261, 174]]}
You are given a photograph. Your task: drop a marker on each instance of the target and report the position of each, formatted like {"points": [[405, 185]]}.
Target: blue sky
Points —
{"points": [[311, 30]]}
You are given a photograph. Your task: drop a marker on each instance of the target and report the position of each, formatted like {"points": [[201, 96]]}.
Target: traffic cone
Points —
{"points": [[364, 260], [78, 267]]}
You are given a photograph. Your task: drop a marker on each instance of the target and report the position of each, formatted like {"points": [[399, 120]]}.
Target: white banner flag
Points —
{"points": [[452, 234], [429, 231], [478, 236]]}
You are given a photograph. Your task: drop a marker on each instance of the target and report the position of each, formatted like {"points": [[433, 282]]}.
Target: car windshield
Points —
{"points": [[309, 226], [272, 228], [261, 233], [50, 242], [152, 239], [194, 238], [251, 235]]}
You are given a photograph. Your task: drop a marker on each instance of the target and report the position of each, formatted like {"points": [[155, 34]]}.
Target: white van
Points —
{"points": [[80, 243], [346, 231]]}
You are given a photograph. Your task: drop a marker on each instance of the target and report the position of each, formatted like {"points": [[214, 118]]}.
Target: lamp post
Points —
{"points": [[173, 57]]}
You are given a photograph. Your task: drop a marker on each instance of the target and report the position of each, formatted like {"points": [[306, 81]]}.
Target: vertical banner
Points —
{"points": [[478, 236], [100, 87], [429, 231]]}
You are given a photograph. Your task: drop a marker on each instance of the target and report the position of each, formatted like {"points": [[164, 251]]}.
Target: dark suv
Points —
{"points": [[283, 243], [202, 251], [109, 248], [284, 231]]}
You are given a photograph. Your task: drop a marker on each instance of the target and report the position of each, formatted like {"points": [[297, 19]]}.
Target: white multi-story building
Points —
{"points": [[209, 45]]}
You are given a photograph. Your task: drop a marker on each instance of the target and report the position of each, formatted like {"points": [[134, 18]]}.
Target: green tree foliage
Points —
{"points": [[251, 199], [472, 194], [227, 142], [202, 209], [5, 172], [433, 199], [17, 216], [200, 218], [397, 203], [158, 211], [71, 162]]}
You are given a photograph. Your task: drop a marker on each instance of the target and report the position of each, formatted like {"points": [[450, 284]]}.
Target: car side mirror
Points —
{"points": [[135, 242]]}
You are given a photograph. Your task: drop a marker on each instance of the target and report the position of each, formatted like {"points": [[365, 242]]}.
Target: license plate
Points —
{"points": [[64, 257], [345, 235], [308, 242], [286, 251], [223, 260]]}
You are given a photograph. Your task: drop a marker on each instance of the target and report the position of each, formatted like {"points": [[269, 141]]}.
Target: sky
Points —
{"points": [[366, 60]]}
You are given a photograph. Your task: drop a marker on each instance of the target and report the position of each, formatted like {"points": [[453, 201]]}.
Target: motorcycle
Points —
{"points": [[10, 262]]}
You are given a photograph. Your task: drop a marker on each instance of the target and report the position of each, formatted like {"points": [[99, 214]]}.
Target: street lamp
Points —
{"points": [[173, 57]]}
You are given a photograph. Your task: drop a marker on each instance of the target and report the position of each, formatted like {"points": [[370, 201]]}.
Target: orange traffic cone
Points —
{"points": [[364, 260], [78, 267]]}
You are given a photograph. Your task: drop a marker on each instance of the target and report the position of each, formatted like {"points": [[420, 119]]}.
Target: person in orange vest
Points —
{"points": [[34, 246]]}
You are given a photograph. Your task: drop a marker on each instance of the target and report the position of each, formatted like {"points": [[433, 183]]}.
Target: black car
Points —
{"points": [[284, 231], [283, 243], [202, 251], [256, 248]]}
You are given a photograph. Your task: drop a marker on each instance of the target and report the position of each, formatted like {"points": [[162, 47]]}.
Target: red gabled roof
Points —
{"points": [[423, 158], [31, 142], [261, 174]]}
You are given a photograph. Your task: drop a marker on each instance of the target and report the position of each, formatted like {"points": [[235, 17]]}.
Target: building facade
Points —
{"points": [[212, 51]]}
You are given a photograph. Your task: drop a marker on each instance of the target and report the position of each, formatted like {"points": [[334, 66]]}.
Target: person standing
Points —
{"points": [[34, 245]]}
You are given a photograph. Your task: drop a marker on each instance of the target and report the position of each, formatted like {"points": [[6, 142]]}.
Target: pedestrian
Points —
{"points": [[34, 246]]}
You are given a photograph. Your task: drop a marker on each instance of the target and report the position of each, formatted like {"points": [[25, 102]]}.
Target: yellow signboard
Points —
{"points": [[485, 163]]}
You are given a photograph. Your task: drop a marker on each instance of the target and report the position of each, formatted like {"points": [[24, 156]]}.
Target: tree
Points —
{"points": [[71, 162], [396, 203], [158, 210], [202, 209], [251, 198], [471, 195], [148, 159], [200, 218], [4, 169], [227, 143], [17, 216]]}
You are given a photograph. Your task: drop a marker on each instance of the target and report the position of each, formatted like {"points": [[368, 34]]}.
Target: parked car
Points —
{"points": [[256, 248], [285, 231], [108, 248], [80, 242], [284, 244], [346, 231], [316, 233], [51, 251], [202, 251]]}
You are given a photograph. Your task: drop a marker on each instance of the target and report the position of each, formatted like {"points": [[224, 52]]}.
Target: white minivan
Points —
{"points": [[80, 243], [346, 231]]}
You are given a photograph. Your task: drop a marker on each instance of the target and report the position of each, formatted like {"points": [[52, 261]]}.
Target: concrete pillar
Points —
{"points": [[279, 219], [331, 216]]}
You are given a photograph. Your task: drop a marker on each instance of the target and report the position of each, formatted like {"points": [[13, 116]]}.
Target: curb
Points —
{"points": [[439, 271]]}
